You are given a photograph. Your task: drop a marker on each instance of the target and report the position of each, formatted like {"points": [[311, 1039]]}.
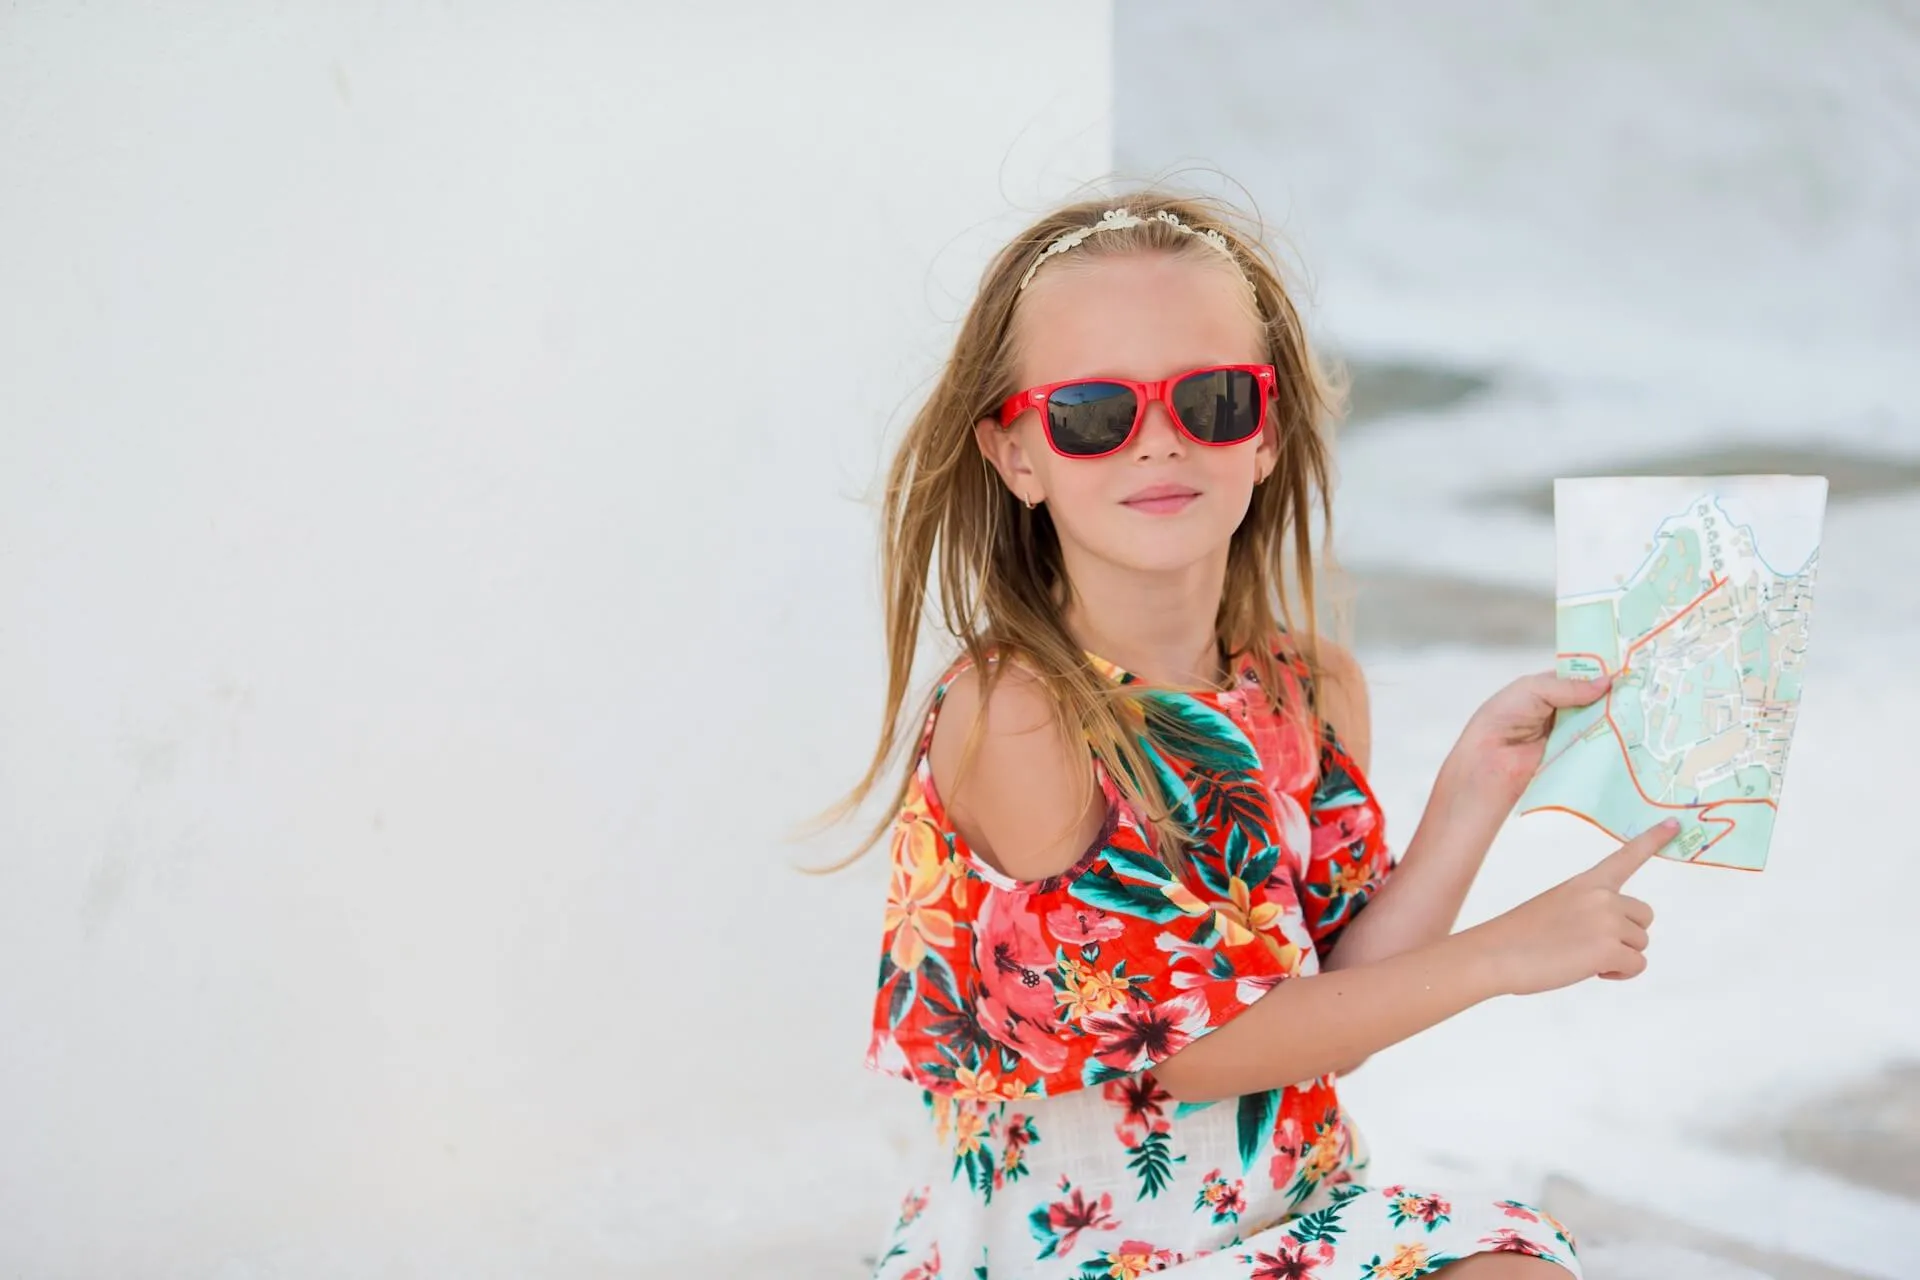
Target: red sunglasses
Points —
{"points": [[1092, 417]]}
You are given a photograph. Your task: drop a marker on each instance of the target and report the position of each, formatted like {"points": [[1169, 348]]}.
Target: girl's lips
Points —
{"points": [[1161, 506], [1160, 499]]}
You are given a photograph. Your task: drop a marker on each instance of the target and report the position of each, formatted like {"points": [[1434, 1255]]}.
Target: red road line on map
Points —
{"points": [[1695, 861]]}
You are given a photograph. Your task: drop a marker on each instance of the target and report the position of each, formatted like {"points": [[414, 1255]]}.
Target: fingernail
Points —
{"points": [[1670, 824]]}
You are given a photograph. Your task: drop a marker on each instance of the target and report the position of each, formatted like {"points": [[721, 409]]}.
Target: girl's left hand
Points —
{"points": [[1501, 748]]}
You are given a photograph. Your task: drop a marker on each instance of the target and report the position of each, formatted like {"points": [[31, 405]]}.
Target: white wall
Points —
{"points": [[433, 448]]}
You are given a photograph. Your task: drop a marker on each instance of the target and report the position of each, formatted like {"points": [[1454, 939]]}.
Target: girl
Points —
{"points": [[1142, 913]]}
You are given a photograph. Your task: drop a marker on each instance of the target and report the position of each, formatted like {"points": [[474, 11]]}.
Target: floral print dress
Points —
{"points": [[1031, 1016]]}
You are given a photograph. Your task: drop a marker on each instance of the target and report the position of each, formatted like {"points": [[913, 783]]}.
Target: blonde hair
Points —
{"points": [[1001, 579]]}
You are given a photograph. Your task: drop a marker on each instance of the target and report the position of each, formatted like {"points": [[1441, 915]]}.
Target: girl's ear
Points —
{"points": [[1001, 446], [1267, 456]]}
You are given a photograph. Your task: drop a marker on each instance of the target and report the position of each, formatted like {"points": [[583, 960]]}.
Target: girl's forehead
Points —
{"points": [[1141, 315]]}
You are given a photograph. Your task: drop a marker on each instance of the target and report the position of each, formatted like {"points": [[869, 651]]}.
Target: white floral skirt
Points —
{"points": [[1120, 1181]]}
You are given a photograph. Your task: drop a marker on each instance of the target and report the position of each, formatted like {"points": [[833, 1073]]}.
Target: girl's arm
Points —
{"points": [[1476, 789], [1306, 1027]]}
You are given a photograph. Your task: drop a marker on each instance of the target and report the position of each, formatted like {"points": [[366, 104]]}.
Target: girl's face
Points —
{"points": [[1142, 316]]}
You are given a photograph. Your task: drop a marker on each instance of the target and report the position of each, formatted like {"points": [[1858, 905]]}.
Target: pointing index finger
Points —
{"points": [[1618, 867]]}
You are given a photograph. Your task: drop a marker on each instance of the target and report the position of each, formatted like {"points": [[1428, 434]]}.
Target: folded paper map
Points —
{"points": [[1696, 593]]}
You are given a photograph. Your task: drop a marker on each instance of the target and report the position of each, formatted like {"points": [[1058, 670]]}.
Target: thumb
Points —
{"points": [[1565, 691], [1618, 867]]}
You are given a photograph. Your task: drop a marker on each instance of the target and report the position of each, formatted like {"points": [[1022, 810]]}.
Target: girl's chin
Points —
{"points": [[1160, 556]]}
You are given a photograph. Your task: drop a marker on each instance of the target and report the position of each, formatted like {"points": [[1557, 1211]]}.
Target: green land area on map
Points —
{"points": [[1708, 643]]}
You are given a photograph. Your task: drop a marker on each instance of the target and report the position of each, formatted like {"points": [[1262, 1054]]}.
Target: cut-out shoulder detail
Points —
{"points": [[1018, 789]]}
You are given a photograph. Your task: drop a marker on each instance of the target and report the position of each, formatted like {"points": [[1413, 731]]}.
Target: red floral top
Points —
{"points": [[992, 988]]}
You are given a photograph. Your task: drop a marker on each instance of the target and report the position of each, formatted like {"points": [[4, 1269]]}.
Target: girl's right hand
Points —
{"points": [[1582, 929]]}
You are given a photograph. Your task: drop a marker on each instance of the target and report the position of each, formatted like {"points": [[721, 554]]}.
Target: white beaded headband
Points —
{"points": [[1119, 220]]}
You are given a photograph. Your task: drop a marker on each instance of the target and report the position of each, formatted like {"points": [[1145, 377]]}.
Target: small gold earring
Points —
{"points": [[1028, 501]]}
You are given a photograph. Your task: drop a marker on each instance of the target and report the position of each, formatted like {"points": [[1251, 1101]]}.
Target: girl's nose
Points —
{"points": [[1159, 436]]}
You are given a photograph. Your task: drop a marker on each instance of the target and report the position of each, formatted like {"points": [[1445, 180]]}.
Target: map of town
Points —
{"points": [[1709, 642]]}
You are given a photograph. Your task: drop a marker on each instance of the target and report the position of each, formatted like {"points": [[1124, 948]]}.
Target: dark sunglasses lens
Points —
{"points": [[1090, 418], [1220, 406]]}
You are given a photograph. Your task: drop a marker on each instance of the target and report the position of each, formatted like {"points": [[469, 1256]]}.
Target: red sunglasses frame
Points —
{"points": [[1144, 394]]}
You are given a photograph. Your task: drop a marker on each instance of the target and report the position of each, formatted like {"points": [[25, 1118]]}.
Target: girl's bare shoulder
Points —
{"points": [[1022, 794]]}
